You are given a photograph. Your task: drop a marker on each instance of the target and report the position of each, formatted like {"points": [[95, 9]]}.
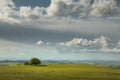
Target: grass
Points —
{"points": [[59, 72]]}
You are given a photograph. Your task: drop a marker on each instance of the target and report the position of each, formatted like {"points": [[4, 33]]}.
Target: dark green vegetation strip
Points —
{"points": [[59, 72]]}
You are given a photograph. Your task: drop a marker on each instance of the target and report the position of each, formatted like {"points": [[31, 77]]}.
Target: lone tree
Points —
{"points": [[34, 61]]}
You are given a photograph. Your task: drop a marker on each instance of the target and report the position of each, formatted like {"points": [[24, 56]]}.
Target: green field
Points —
{"points": [[59, 72]]}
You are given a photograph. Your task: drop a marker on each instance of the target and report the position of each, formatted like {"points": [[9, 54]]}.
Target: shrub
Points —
{"points": [[26, 63]]}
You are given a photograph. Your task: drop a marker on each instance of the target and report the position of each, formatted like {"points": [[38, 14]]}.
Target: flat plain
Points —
{"points": [[59, 72]]}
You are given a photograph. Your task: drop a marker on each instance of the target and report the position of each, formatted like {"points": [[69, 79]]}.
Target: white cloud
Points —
{"points": [[63, 8], [58, 8], [102, 44], [103, 7], [31, 13], [11, 14], [8, 12], [40, 42]]}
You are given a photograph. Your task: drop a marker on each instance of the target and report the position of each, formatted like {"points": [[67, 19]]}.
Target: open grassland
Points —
{"points": [[59, 72]]}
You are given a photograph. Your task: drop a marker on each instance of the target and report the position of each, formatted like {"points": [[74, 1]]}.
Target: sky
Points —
{"points": [[60, 29]]}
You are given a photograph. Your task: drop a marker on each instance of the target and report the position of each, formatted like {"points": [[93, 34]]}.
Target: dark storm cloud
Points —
{"points": [[27, 34]]}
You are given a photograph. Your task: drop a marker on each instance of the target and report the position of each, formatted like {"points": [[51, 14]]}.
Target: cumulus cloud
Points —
{"points": [[8, 12], [31, 13], [101, 44], [80, 45], [11, 14], [103, 7], [68, 8], [40, 42], [81, 8], [58, 8], [45, 44]]}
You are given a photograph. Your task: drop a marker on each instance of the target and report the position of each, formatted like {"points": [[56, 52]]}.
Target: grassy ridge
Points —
{"points": [[59, 72]]}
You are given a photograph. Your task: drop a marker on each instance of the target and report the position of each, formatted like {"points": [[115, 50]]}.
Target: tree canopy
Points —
{"points": [[34, 61]]}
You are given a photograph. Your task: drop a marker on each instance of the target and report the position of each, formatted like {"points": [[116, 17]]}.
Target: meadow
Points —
{"points": [[59, 72]]}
